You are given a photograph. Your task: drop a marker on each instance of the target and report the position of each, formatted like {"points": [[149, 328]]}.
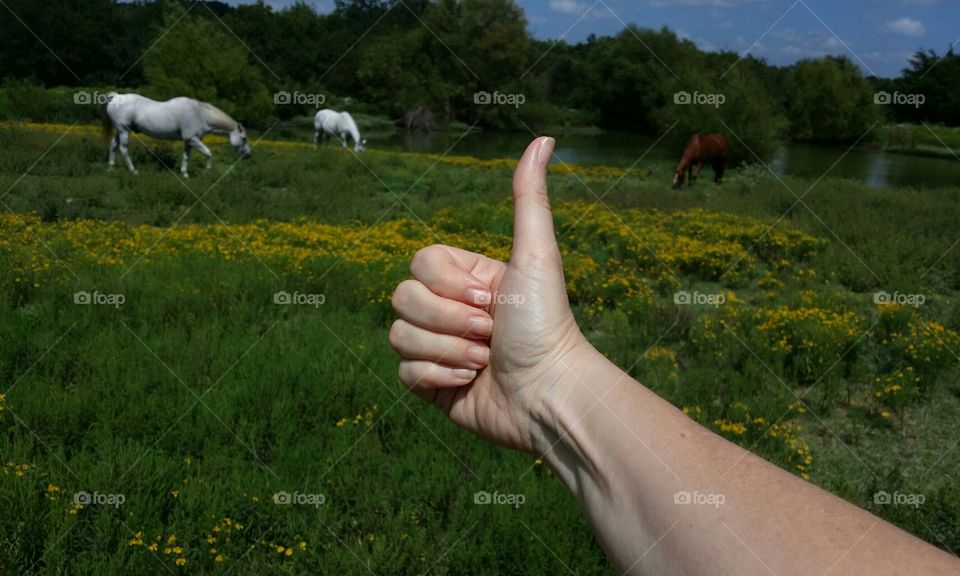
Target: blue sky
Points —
{"points": [[880, 35]]}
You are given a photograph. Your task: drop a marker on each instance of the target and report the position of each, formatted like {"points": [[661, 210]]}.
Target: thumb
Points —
{"points": [[533, 234]]}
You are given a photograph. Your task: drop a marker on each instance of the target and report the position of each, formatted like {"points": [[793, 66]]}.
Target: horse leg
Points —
{"points": [[114, 144], [343, 139], [202, 148], [186, 156], [718, 170], [123, 139], [699, 169], [316, 138]]}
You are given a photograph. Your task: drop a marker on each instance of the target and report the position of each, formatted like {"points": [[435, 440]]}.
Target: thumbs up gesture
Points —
{"points": [[490, 342]]}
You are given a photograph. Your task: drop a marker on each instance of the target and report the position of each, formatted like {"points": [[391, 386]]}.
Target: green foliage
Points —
{"points": [[830, 101], [197, 57], [732, 105], [937, 79], [103, 404], [24, 99], [391, 58]]}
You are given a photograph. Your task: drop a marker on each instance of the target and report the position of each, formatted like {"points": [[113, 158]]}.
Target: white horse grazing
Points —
{"points": [[176, 119], [340, 125]]}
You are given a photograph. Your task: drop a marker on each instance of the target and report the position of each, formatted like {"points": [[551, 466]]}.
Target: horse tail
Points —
{"points": [[106, 125]]}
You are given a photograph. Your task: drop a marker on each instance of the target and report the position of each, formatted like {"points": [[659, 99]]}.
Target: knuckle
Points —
{"points": [[422, 258], [396, 334], [403, 371], [401, 295]]}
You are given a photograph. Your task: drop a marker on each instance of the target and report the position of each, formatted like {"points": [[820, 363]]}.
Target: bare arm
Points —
{"points": [[518, 372], [666, 496]]}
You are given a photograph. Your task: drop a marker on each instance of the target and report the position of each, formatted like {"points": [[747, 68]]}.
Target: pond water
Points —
{"points": [[874, 167]]}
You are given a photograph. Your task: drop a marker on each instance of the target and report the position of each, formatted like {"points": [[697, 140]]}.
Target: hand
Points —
{"points": [[488, 342]]}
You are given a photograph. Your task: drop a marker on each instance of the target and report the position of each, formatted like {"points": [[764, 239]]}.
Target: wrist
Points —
{"points": [[568, 441]]}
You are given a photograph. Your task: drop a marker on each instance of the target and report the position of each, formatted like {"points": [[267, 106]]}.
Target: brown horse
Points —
{"points": [[701, 149]]}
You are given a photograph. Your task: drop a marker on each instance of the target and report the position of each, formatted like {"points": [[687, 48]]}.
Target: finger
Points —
{"points": [[421, 375], [414, 343], [417, 304], [445, 275], [533, 234]]}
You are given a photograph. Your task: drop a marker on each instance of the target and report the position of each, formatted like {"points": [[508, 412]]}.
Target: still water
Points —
{"points": [[874, 167]]}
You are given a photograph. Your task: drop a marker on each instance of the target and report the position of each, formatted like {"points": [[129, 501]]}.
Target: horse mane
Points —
{"points": [[351, 126], [217, 118]]}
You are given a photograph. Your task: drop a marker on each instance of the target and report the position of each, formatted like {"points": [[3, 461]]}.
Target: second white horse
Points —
{"points": [[340, 125]]}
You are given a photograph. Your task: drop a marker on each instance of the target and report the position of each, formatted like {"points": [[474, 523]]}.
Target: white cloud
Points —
{"points": [[807, 43], [906, 27], [567, 6], [832, 43]]}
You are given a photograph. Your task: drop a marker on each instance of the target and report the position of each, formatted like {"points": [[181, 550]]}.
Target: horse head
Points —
{"points": [[678, 177], [238, 139], [362, 145]]}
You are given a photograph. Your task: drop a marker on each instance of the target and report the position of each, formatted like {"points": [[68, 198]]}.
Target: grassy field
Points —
{"points": [[922, 140], [186, 396]]}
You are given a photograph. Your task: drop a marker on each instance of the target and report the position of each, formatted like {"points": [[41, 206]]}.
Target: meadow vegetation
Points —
{"points": [[202, 395]]}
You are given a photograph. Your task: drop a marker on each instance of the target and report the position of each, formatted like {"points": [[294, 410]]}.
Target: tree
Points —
{"points": [[830, 100], [198, 58], [937, 79], [732, 102]]}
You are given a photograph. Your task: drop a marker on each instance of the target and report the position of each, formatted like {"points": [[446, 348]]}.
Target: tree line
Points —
{"points": [[439, 61]]}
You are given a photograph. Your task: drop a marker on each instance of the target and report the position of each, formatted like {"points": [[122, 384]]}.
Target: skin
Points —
{"points": [[495, 346]]}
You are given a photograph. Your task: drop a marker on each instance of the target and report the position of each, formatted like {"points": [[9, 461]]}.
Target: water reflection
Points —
{"points": [[874, 167]]}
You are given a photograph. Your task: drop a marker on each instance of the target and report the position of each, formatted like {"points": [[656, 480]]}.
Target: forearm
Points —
{"points": [[625, 454]]}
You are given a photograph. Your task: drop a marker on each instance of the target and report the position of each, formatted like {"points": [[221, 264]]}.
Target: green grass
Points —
{"points": [[932, 140], [105, 400]]}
